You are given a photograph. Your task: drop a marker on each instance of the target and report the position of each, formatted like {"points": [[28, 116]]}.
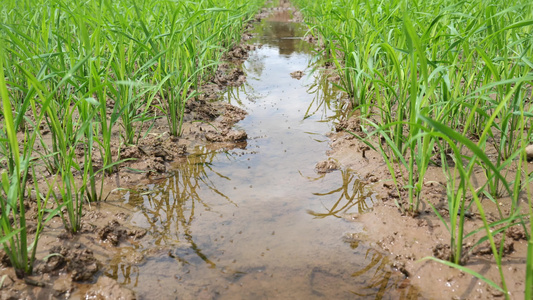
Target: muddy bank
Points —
{"points": [[410, 239]]}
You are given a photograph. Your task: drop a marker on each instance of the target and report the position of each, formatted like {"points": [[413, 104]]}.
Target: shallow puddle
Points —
{"points": [[258, 222]]}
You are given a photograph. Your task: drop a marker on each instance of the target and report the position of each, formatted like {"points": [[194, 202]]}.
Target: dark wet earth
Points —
{"points": [[258, 222]]}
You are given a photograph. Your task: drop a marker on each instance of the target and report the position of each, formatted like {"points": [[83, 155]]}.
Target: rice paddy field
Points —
{"points": [[266, 150]]}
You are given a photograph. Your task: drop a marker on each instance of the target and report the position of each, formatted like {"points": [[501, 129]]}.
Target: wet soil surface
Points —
{"points": [[409, 239]]}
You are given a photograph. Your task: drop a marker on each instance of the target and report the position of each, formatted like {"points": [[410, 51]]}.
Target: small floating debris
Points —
{"points": [[297, 74]]}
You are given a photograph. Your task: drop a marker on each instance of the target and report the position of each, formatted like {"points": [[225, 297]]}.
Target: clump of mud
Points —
{"points": [[327, 166], [113, 232], [79, 262], [297, 74], [227, 136], [517, 233], [486, 249], [352, 124]]}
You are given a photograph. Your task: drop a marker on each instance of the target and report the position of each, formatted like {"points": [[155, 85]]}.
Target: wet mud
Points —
{"points": [[409, 240]]}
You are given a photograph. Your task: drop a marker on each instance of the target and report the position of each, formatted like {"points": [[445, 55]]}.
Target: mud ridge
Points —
{"points": [[411, 239]]}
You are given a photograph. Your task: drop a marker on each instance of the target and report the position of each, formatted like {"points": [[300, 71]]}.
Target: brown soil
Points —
{"points": [[69, 266], [409, 239]]}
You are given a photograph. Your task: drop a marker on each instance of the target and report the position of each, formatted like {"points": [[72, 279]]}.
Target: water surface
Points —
{"points": [[259, 222]]}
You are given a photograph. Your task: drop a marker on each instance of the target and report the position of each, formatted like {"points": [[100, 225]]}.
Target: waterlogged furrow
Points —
{"points": [[259, 222]]}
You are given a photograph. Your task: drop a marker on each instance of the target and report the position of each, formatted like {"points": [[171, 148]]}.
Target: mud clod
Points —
{"points": [[353, 124], [227, 136], [297, 75], [80, 263], [238, 52], [234, 77], [112, 233], [163, 154], [327, 166], [201, 110], [157, 164], [62, 285], [516, 233], [485, 248], [130, 152], [442, 251]]}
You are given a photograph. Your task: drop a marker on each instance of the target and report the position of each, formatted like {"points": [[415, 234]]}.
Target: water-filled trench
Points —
{"points": [[257, 221]]}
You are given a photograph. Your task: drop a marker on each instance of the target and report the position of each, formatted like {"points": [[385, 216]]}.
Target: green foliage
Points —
{"points": [[15, 240]]}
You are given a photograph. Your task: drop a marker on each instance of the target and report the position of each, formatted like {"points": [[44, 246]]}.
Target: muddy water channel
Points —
{"points": [[257, 221]]}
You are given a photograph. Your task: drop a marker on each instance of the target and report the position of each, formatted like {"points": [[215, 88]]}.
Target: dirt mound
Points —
{"points": [[327, 166]]}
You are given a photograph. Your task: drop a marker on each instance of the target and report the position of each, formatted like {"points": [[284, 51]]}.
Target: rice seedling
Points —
{"points": [[15, 240], [126, 56], [136, 53], [529, 262]]}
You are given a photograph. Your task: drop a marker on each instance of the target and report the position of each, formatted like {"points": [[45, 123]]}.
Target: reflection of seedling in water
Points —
{"points": [[126, 270], [169, 209], [180, 254], [383, 277], [233, 94], [353, 194], [323, 93]]}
